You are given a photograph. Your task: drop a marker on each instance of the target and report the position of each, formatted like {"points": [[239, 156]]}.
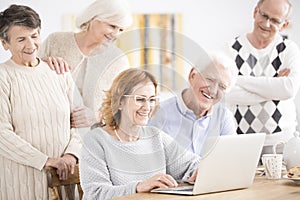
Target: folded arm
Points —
{"points": [[275, 88], [240, 96], [284, 86]]}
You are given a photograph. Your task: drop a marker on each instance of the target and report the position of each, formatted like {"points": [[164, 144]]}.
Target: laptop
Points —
{"points": [[229, 163]]}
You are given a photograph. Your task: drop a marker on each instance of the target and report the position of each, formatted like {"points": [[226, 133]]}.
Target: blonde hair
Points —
{"points": [[122, 85]]}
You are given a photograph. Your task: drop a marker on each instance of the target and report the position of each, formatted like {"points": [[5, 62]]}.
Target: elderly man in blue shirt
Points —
{"points": [[197, 112]]}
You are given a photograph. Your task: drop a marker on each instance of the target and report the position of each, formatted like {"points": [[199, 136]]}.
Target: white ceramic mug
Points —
{"points": [[291, 151], [273, 165]]}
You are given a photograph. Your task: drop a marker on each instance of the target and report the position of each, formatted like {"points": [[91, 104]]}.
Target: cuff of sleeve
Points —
{"points": [[134, 187], [75, 154], [75, 145], [39, 162]]}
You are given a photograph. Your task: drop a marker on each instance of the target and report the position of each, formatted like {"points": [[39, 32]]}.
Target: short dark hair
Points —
{"points": [[18, 15]]}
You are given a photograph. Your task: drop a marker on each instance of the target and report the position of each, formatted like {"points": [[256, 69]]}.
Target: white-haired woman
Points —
{"points": [[94, 60]]}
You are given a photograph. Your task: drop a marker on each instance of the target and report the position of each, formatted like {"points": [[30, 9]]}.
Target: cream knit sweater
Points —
{"points": [[93, 74], [34, 125]]}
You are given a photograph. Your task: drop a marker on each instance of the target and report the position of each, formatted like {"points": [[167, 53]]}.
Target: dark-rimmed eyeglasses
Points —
{"points": [[273, 21], [141, 100]]}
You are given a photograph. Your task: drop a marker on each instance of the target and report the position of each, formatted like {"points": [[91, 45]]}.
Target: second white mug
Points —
{"points": [[273, 165]]}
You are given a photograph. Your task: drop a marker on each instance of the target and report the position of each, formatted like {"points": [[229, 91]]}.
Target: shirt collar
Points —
{"points": [[184, 109]]}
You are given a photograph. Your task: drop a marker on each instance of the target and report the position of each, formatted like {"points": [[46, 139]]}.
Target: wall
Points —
{"points": [[208, 22]]}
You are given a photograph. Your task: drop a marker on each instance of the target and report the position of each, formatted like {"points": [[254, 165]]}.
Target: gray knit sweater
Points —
{"points": [[110, 168]]}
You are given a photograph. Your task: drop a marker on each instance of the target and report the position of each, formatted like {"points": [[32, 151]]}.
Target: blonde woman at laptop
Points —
{"points": [[125, 156]]}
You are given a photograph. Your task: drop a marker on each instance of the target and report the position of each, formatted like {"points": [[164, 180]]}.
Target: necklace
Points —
{"points": [[116, 133], [119, 138]]}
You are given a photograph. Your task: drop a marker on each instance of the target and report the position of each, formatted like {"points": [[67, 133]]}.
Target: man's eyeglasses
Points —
{"points": [[141, 100], [273, 21]]}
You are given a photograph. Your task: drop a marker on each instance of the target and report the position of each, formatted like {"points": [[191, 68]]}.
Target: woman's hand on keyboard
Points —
{"points": [[156, 181]]}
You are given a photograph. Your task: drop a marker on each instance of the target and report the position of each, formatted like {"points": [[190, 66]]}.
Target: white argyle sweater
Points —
{"points": [[262, 102]]}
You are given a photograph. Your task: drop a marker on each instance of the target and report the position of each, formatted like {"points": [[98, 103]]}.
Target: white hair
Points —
{"points": [[115, 12], [221, 59]]}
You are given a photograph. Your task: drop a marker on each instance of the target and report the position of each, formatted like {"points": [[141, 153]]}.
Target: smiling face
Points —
{"points": [[270, 17], [133, 112], [208, 86], [23, 44], [104, 32]]}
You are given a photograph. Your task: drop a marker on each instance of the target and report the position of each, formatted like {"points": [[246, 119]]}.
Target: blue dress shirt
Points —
{"points": [[174, 118]]}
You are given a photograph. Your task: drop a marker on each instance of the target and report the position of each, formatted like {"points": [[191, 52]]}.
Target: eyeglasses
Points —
{"points": [[141, 100], [211, 82], [273, 21]]}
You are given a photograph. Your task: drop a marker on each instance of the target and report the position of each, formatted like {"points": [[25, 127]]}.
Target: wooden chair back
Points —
{"points": [[56, 186]]}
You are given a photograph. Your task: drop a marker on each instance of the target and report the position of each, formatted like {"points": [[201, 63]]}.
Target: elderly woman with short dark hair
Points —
{"points": [[35, 106]]}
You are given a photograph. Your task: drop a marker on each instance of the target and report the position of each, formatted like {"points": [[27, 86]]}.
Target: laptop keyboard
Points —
{"points": [[182, 188]]}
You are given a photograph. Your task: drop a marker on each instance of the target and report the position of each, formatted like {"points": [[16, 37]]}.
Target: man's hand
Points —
{"points": [[58, 64], [284, 72]]}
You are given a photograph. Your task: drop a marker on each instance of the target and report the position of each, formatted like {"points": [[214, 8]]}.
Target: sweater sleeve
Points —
{"points": [[12, 146], [240, 96], [180, 162], [75, 144], [94, 174], [275, 88]]}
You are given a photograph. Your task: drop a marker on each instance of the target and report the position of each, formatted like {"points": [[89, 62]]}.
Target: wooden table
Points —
{"points": [[262, 189]]}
